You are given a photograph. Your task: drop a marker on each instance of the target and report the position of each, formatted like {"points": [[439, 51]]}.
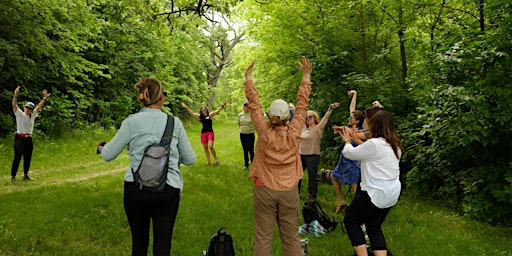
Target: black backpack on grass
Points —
{"points": [[152, 172], [221, 244], [313, 211]]}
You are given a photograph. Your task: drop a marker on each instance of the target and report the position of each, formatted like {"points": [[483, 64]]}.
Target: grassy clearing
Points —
{"points": [[74, 207]]}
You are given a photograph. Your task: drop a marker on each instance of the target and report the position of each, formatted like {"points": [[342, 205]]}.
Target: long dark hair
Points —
{"points": [[201, 116], [383, 126]]}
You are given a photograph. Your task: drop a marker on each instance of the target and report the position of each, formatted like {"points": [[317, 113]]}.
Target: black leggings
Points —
{"points": [[360, 211], [141, 207], [247, 140], [23, 146], [311, 163]]}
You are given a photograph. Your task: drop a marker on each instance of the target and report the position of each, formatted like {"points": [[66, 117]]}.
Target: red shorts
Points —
{"points": [[207, 136]]}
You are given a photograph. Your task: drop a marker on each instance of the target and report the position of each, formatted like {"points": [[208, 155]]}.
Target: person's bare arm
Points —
{"points": [[41, 104], [15, 99], [353, 102], [214, 113], [325, 119], [190, 111]]}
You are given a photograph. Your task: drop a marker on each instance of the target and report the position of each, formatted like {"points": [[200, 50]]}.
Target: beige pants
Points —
{"points": [[271, 206]]}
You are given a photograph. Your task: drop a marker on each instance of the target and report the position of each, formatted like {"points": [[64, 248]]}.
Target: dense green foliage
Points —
{"points": [[441, 67], [90, 54]]}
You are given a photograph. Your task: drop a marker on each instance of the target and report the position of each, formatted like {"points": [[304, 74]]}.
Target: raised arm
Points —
{"points": [[214, 113], [353, 102], [302, 95], [325, 119], [15, 99], [252, 96], [40, 105], [190, 111]]}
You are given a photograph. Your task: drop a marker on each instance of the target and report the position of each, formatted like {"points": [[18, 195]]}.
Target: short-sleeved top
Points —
{"points": [[245, 122], [310, 139], [25, 123], [207, 124]]}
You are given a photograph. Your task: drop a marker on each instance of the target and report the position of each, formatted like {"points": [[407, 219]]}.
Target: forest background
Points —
{"points": [[443, 68]]}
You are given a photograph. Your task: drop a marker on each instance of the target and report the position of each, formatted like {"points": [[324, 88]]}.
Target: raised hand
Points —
{"points": [[248, 72], [334, 105], [46, 94], [306, 66], [377, 104]]}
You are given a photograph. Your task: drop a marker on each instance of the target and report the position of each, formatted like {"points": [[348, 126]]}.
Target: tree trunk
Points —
{"points": [[401, 37]]}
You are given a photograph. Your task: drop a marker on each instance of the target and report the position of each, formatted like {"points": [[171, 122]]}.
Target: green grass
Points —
{"points": [[75, 207]]}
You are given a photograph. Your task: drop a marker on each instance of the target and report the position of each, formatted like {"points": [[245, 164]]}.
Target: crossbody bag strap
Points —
{"points": [[167, 136]]}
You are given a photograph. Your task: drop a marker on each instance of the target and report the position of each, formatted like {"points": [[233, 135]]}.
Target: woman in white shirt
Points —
{"points": [[380, 183]]}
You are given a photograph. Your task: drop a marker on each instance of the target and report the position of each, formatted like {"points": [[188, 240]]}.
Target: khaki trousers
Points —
{"points": [[271, 206]]}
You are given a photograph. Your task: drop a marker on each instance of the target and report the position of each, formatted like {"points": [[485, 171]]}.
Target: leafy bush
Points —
{"points": [[457, 156]]}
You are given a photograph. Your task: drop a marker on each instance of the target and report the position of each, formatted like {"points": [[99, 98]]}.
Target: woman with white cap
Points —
{"points": [[276, 169], [23, 144]]}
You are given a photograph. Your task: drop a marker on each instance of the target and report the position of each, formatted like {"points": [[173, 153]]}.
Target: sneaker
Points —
{"points": [[13, 180], [26, 177], [217, 162]]}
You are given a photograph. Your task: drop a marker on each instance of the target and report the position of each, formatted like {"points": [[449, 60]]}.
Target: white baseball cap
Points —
{"points": [[30, 105], [279, 108]]}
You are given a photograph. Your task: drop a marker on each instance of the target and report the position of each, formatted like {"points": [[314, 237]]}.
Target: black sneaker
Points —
{"points": [[26, 177], [13, 180]]}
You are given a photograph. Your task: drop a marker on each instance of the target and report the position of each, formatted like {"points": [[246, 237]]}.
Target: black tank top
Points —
{"points": [[207, 125]]}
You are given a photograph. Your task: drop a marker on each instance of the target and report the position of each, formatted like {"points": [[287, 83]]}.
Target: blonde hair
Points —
{"points": [[152, 89], [276, 121], [314, 115]]}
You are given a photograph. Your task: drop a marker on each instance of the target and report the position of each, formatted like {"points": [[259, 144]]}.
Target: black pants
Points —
{"points": [[360, 211], [311, 163], [23, 146], [142, 207], [247, 140]]}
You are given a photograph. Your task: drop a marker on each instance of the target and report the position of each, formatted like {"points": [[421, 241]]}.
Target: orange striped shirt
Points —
{"points": [[277, 162]]}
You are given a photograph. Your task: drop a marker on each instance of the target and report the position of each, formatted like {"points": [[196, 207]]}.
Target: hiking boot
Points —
{"points": [[26, 177], [13, 180]]}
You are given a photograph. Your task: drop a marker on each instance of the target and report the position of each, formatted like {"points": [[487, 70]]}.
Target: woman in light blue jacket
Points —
{"points": [[138, 131]]}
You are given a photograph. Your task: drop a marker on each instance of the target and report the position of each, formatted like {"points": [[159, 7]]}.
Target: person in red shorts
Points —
{"points": [[207, 136]]}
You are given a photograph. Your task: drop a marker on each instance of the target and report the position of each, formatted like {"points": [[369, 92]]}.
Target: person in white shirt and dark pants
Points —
{"points": [[23, 144], [380, 184]]}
